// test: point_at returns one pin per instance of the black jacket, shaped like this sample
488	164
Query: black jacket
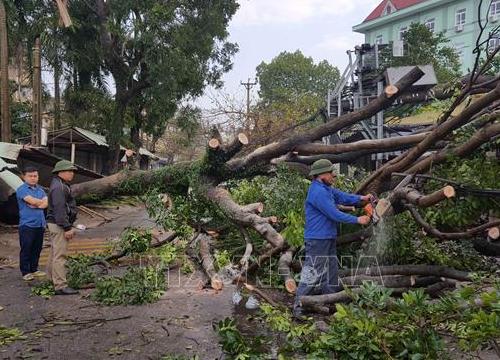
62	205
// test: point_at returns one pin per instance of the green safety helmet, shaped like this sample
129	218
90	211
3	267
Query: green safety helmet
64	165
321	166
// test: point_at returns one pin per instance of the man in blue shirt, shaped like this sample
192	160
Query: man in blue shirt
320	269
31	200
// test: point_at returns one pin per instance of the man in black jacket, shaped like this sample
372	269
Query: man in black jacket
60	218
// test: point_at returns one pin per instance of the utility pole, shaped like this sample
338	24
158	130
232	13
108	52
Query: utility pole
36	125
248	85
6	127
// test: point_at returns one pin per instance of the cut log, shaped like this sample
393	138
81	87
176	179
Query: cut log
414	197
255	208
380	145
213	143
284	271
494	233
391	90
236	145
346	296
421	270
207	262
391	281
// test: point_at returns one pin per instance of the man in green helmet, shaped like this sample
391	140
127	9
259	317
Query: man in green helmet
320	267
60	218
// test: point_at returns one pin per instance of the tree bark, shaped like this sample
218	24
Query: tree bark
416	198
391	281
421	270
430	230
346	297
379	145
479	138
284	265
276	149
237	213
407	159
6	127
207	262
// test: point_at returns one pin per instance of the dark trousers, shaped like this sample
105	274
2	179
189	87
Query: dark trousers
31	241
319	270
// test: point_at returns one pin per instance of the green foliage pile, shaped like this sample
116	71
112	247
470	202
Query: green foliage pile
139	285
376	326
134	241
9	335
44	289
476	172
284	196
409	245
79	272
234	344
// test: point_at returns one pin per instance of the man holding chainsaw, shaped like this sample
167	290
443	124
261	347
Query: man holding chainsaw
320	268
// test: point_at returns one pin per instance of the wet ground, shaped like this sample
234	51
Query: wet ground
74	327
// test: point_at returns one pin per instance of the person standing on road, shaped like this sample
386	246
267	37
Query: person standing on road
32	201
320	268
60	217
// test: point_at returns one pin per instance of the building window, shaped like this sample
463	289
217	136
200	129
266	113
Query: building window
460	19
379	39
431	25
493	44
402	32
495	9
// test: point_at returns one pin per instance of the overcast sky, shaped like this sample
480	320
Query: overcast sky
321	29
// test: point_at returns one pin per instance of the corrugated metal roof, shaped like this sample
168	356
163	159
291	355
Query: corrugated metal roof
97	138
9	182
146	152
10	151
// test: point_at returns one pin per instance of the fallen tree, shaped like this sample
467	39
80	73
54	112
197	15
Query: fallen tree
206	179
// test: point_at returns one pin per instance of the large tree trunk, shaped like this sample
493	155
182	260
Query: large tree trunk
6	130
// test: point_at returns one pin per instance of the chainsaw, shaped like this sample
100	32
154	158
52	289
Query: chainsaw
370	210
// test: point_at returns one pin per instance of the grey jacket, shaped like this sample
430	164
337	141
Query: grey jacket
62	205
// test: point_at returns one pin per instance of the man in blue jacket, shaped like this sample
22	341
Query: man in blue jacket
320	268
32	201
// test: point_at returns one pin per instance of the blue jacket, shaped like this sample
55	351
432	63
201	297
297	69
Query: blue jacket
322	214
29	216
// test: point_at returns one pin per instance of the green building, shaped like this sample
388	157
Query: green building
457	19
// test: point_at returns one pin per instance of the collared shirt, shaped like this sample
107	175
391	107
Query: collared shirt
28	216
322	214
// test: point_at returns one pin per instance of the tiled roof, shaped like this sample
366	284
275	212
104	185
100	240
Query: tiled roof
398	4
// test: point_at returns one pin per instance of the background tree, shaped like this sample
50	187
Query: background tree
292	86
424	47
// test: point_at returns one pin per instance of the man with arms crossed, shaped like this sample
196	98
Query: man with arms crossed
31	200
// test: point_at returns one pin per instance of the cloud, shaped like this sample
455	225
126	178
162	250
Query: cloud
264	12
